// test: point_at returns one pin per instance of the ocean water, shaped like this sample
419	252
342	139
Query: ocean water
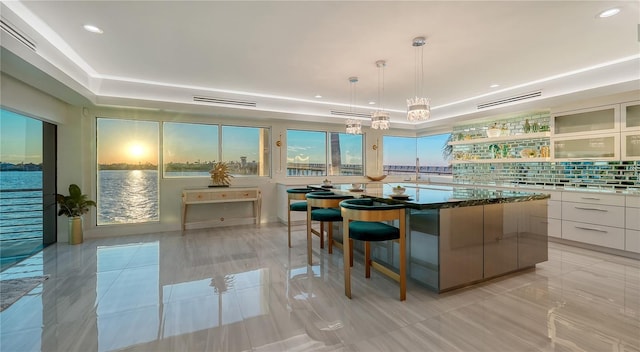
127	196
20	205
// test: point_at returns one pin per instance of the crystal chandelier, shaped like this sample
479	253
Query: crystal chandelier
354	126
380	118
418	108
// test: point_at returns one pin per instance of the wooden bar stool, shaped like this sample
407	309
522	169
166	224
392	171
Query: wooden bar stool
325	208
297	195
362	222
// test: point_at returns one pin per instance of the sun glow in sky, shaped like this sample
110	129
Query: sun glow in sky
126	141
136	150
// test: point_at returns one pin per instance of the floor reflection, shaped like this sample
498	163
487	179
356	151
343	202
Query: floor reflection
243	289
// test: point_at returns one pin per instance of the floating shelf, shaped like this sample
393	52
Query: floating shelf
503	138
505	160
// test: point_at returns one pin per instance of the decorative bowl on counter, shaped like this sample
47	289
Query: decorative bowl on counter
376	178
398	190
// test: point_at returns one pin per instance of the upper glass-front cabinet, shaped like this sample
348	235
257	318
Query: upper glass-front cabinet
591	147
602	119
630	145
630	116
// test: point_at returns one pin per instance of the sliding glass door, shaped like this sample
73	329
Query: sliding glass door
27	186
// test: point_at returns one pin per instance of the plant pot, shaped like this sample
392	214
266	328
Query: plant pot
75	230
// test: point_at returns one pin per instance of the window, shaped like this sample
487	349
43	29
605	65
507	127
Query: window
399	155
306	153
246	150
346	154
433	154
189	149
127	171
316	153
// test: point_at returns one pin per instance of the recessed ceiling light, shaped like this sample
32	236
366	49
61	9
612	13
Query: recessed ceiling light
318	96
494	86
92	28
608	13
372	103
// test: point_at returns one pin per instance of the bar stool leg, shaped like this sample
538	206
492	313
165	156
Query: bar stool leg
309	235
346	254
403	259
351	244
367	259
322	234
330	237
289	222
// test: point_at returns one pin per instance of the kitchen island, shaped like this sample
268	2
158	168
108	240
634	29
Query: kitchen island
458	236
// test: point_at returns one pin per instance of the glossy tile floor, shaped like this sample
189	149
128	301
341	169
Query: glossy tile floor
242	289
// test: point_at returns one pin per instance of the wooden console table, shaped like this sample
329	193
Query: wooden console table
191	196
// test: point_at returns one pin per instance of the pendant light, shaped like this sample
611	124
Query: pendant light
354	126
380	118
418	108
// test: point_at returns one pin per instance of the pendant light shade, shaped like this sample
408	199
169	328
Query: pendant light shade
354	126
418	107
380	118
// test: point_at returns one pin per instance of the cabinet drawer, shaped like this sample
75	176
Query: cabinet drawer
234	195
632	218
593	198
633	202
632	241
554	209
593	214
197	196
605	236
554	228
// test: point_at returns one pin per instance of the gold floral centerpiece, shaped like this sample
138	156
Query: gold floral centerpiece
220	175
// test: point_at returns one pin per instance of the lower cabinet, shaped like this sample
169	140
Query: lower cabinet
593	218
460	246
632	224
533	234
605	236
632	241
500	238
481	242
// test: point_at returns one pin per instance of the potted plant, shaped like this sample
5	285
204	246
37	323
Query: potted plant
220	175
74	206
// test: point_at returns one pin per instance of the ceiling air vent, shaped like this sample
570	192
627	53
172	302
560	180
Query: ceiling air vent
223	101
14	32
350	114
510	99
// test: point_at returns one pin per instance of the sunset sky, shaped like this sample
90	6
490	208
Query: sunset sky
125	141
20	138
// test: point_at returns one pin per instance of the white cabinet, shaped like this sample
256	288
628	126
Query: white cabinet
630	116
630	145
632	224
604	236
586	147
554	215
594	218
602	119
594	198
587	134
606	215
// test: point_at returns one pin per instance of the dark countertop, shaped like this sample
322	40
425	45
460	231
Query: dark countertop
423	196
